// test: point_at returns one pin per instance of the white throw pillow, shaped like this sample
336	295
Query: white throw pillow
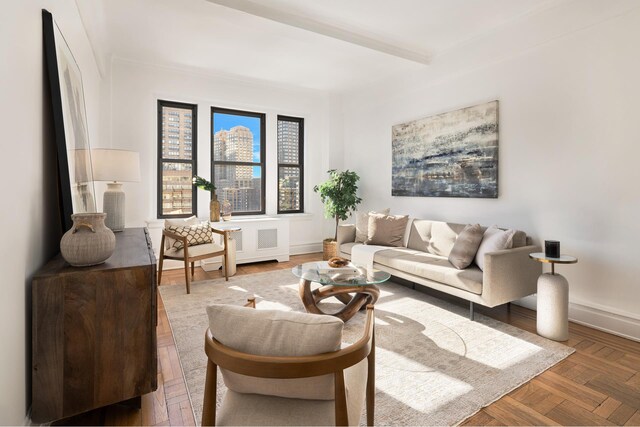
493	240
362	223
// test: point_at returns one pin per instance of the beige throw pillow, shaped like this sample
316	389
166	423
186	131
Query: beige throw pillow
195	234
178	222
387	230
276	333
362	224
494	240
466	246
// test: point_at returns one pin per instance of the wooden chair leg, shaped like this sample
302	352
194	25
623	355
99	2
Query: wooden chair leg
193	268
371	380
210	390
186	275
342	415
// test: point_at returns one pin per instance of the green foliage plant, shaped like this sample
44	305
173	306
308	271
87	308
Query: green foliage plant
338	194
203	184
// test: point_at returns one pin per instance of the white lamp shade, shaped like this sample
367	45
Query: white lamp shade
115	165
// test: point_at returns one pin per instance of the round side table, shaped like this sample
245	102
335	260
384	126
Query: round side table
552	318
231	249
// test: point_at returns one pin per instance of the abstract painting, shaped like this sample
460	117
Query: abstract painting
453	154
77	193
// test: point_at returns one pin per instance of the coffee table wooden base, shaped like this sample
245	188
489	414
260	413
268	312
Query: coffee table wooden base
363	295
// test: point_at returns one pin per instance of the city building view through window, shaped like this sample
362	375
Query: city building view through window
290	174
177	160
238	159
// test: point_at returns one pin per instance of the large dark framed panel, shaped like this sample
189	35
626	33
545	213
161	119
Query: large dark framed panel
75	176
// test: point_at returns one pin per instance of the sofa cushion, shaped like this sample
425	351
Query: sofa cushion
276	333
494	239
362	224
387	230
431	267
466	245
346	248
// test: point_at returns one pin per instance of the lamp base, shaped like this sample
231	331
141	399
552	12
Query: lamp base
113	206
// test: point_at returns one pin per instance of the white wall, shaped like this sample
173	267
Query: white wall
569	150
29	204
138	86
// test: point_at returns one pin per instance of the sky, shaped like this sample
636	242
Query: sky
227	121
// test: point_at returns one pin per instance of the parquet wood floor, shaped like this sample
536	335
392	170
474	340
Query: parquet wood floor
597	385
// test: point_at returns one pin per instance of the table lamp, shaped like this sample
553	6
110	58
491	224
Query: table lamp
115	167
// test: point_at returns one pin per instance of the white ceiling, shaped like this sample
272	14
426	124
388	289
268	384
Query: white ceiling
210	37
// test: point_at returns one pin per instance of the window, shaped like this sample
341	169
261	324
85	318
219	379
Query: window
176	163
290	164
238	158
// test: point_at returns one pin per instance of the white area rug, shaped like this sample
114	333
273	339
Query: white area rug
434	366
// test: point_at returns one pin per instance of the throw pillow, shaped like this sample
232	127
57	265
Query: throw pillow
178	222
387	230
195	234
276	333
494	240
362	224
466	246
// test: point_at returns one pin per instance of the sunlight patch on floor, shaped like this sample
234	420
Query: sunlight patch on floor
423	380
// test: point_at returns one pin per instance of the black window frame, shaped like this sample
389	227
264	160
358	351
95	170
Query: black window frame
194	156
299	165
263	153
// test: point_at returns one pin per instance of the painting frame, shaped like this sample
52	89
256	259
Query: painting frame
75	175
451	154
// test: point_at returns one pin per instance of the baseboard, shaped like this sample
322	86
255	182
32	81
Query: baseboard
616	322
305	248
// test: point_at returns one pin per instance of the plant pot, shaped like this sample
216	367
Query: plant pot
89	241
214	209
329	249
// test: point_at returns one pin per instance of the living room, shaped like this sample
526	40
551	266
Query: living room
563	73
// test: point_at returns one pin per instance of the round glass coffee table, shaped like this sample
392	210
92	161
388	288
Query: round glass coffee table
354	289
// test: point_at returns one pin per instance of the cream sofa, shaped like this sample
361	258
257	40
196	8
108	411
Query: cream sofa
508	274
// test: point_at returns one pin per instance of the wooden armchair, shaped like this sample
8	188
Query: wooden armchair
259	409
191	254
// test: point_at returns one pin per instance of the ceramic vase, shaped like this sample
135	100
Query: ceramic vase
89	241
214	208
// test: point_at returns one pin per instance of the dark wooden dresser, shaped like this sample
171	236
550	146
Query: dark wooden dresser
94	330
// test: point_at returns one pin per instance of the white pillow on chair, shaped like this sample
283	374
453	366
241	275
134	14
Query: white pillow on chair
276	333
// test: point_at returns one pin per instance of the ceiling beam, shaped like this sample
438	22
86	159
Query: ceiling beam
327	30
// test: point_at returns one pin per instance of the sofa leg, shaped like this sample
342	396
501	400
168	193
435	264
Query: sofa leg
470	310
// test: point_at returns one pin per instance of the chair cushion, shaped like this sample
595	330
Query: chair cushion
194	251
362	224
466	245
195	234
276	333
494	240
255	409
178	222
387	230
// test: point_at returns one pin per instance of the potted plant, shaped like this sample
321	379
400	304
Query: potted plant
214	204
338	194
